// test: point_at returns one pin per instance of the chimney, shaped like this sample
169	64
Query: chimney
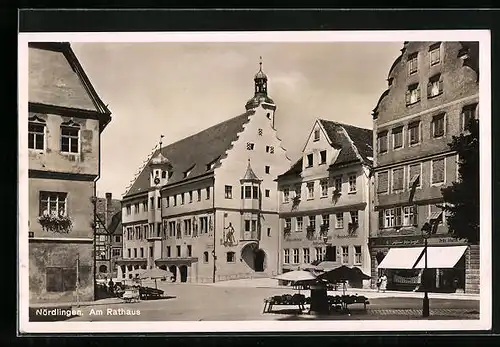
109	207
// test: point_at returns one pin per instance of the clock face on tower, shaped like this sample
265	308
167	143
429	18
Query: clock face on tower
157	180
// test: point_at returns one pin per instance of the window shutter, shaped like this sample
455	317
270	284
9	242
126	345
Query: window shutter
408	97
429	89
418	93
415	215
242	192
380	219
440	86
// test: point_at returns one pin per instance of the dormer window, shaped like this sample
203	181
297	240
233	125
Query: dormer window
70	132
316	135
188	171
210	166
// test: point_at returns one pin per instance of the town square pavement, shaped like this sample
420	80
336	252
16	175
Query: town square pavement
245	301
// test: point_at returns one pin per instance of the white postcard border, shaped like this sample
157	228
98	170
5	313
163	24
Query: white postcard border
484	323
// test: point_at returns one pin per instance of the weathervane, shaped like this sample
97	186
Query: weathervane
260	63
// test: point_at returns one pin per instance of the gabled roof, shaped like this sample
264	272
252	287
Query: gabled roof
114	214
56	78
354	143
294	171
199	154
115	226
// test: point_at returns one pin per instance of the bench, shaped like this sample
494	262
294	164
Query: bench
344	301
286	299
148	293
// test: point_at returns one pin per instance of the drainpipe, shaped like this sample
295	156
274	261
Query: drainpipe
214	231
369	209
280	253
94	227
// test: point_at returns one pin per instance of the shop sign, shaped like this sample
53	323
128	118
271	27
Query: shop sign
412	241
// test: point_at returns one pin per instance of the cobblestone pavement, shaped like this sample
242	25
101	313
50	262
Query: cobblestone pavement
452	312
189	302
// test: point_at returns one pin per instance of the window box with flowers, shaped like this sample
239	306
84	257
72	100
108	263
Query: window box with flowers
352	227
58	223
310	232
323	230
287	231
336	196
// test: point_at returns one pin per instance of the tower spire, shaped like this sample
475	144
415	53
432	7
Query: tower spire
161	141
260	63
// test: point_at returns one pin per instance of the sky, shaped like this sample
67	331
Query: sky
178	89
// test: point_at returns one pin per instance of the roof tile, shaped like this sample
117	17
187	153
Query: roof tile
200	153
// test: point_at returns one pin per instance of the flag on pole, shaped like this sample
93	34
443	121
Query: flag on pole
413	186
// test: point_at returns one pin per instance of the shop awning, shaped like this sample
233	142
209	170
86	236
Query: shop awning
401	258
445	257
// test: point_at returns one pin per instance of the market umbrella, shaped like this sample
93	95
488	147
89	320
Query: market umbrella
297	277
342	274
155	274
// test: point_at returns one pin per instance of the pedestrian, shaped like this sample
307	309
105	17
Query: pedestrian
111	286
379	282
383	283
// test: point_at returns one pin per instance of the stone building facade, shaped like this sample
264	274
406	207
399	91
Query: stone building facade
432	90
205	207
325	199
65	121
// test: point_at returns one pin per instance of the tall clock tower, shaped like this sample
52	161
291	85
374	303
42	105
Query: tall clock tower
160	168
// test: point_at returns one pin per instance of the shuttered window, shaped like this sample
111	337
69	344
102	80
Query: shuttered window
383	182
414	174
438	171
397	179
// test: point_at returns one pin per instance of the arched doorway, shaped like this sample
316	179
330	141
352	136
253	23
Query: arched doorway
184	272
103	269
173	270
259	260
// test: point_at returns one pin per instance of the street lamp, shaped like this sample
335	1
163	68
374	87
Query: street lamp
426	231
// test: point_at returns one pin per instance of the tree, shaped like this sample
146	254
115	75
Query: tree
462	197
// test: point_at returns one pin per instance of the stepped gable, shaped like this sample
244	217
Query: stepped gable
195	153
